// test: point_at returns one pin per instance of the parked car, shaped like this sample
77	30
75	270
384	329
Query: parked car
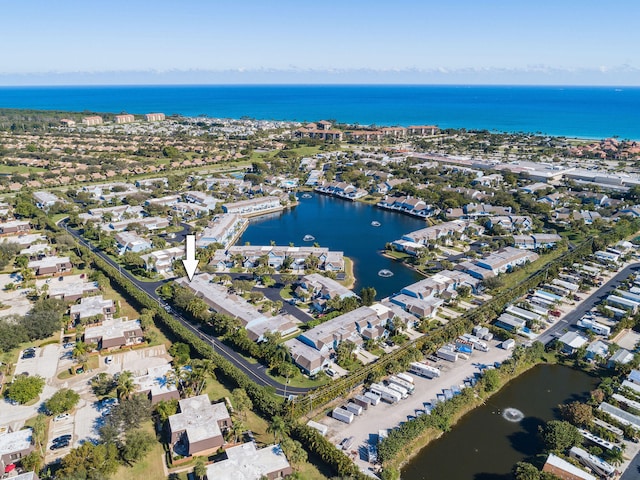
57	446
108	359
29	353
555	313
330	372
61	439
62	416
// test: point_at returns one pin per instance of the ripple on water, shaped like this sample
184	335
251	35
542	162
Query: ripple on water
512	415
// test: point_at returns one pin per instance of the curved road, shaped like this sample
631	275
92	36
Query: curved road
255	371
570	320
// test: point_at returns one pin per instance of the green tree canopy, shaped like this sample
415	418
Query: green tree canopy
62	401
24	389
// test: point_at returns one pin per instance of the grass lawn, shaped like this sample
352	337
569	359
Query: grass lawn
287	292
10	169
349	278
301	380
513	279
149	467
126	310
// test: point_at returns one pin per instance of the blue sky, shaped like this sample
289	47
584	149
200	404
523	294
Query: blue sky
591	42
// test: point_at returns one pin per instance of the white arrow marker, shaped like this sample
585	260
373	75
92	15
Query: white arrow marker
190	262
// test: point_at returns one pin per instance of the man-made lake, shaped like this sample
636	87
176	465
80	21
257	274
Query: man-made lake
486	446
343	226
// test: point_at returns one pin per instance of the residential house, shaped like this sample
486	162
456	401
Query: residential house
501	261
158	384
572	341
536	241
14	446
71	288
254	206
321	130
223	229
161	261
97	307
113	333
51	266
511	223
45	200
248	462
132	242
199	427
309	359
276	256
620	357
14	227
423	130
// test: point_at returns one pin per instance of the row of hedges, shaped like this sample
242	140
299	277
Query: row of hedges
263	398
325	450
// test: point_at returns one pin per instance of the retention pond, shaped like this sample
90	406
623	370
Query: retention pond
490	440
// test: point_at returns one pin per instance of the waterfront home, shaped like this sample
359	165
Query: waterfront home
419	307
201	199
276	257
342	190
572	341
14	446
199	427
131	242
597	349
423	130
93	307
45	200
114	333
51	266
92	120
407	204
314	178
223	229
254	206
14	227
454	228
157	384
248	462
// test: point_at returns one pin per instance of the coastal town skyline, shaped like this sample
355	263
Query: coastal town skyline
249	43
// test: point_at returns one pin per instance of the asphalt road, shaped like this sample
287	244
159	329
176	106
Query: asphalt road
255	371
570	320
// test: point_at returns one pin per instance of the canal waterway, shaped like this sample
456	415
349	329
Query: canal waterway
343	226
485	445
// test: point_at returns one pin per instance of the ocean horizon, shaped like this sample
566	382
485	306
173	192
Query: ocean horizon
571	111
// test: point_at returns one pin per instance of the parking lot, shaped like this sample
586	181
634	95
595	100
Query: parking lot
365	427
136	361
16	300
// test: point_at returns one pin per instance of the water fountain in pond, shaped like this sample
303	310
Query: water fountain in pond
375	224
512	415
384	273
308	238
307	195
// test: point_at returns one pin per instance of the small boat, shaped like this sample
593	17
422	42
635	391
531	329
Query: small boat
375	224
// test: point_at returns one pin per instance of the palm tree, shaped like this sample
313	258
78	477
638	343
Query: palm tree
237	429
125	387
278	427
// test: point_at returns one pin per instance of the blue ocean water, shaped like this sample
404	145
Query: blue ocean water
591	112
